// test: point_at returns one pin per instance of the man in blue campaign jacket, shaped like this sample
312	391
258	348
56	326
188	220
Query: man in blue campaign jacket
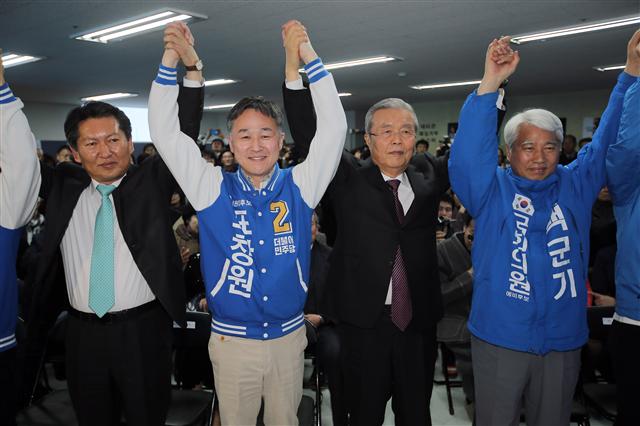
528	317
19	185
255	231
623	179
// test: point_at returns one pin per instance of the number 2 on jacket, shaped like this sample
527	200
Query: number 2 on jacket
280	224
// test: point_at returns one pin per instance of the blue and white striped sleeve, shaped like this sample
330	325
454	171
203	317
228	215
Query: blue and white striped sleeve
315	70
314	174
199	180
167	76
6	95
20	177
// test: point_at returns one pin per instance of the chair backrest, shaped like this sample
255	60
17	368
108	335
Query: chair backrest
196	333
599	319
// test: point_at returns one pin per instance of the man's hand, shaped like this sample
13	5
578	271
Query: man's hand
500	62
178	45
314	319
297	47
603	299
185	254
1	69
632	66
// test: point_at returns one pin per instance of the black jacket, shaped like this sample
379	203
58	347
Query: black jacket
142	205
367	231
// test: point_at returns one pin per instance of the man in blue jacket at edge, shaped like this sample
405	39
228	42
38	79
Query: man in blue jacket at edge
528	317
623	179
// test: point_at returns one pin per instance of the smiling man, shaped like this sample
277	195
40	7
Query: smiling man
255	231
117	273
383	283
530	258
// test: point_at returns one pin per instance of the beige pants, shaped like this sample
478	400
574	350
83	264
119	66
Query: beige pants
248	370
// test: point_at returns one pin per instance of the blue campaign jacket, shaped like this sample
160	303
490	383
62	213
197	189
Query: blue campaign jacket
256	247
531	246
9	240
623	179
254	242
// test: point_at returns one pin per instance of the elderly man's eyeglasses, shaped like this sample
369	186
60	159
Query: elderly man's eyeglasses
387	134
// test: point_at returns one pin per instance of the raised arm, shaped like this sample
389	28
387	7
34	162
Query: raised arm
473	159
590	166
19	167
623	157
298	105
314	174
199	180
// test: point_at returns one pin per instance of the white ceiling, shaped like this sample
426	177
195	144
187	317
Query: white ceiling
439	41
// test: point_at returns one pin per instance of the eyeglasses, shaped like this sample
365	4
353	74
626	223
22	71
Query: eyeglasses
403	134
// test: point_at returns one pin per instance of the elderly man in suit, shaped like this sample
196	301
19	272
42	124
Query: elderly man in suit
383	280
122	271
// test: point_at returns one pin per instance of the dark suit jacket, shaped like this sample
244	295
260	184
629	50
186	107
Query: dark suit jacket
141	203
317	278
368	232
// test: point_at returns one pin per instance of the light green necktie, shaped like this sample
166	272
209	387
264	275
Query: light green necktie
101	282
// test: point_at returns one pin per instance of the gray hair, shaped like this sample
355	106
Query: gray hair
540	118
386	104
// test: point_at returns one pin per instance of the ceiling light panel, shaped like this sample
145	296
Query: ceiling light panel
14	59
137	25
609	68
443	85
359	62
579	29
109	96
225	106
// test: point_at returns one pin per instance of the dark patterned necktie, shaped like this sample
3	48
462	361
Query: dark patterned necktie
401	310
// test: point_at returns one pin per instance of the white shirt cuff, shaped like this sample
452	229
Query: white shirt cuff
295	84
192	83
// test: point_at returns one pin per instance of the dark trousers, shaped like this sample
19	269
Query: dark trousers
384	362
8	386
120	366
328	351
625	339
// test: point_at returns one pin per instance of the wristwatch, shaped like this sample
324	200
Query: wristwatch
196	67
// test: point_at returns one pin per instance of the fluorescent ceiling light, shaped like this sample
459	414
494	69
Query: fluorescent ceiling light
219	106
441	85
614	23
609	68
135	26
358	62
109	96
13	59
344	94
219	82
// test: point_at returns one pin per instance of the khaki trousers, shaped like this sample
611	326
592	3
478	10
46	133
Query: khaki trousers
249	370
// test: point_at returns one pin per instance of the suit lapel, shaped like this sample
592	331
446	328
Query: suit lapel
419	187
374	177
74	182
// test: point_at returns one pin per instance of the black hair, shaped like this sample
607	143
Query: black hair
447	199
59	150
423	142
93	110
256	103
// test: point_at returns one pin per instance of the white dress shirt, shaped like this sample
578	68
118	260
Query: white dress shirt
131	289
406	196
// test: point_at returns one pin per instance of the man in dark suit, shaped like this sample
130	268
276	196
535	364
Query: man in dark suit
384	285
122	270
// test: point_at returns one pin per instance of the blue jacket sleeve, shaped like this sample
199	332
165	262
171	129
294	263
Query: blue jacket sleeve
623	157
589	171
474	153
